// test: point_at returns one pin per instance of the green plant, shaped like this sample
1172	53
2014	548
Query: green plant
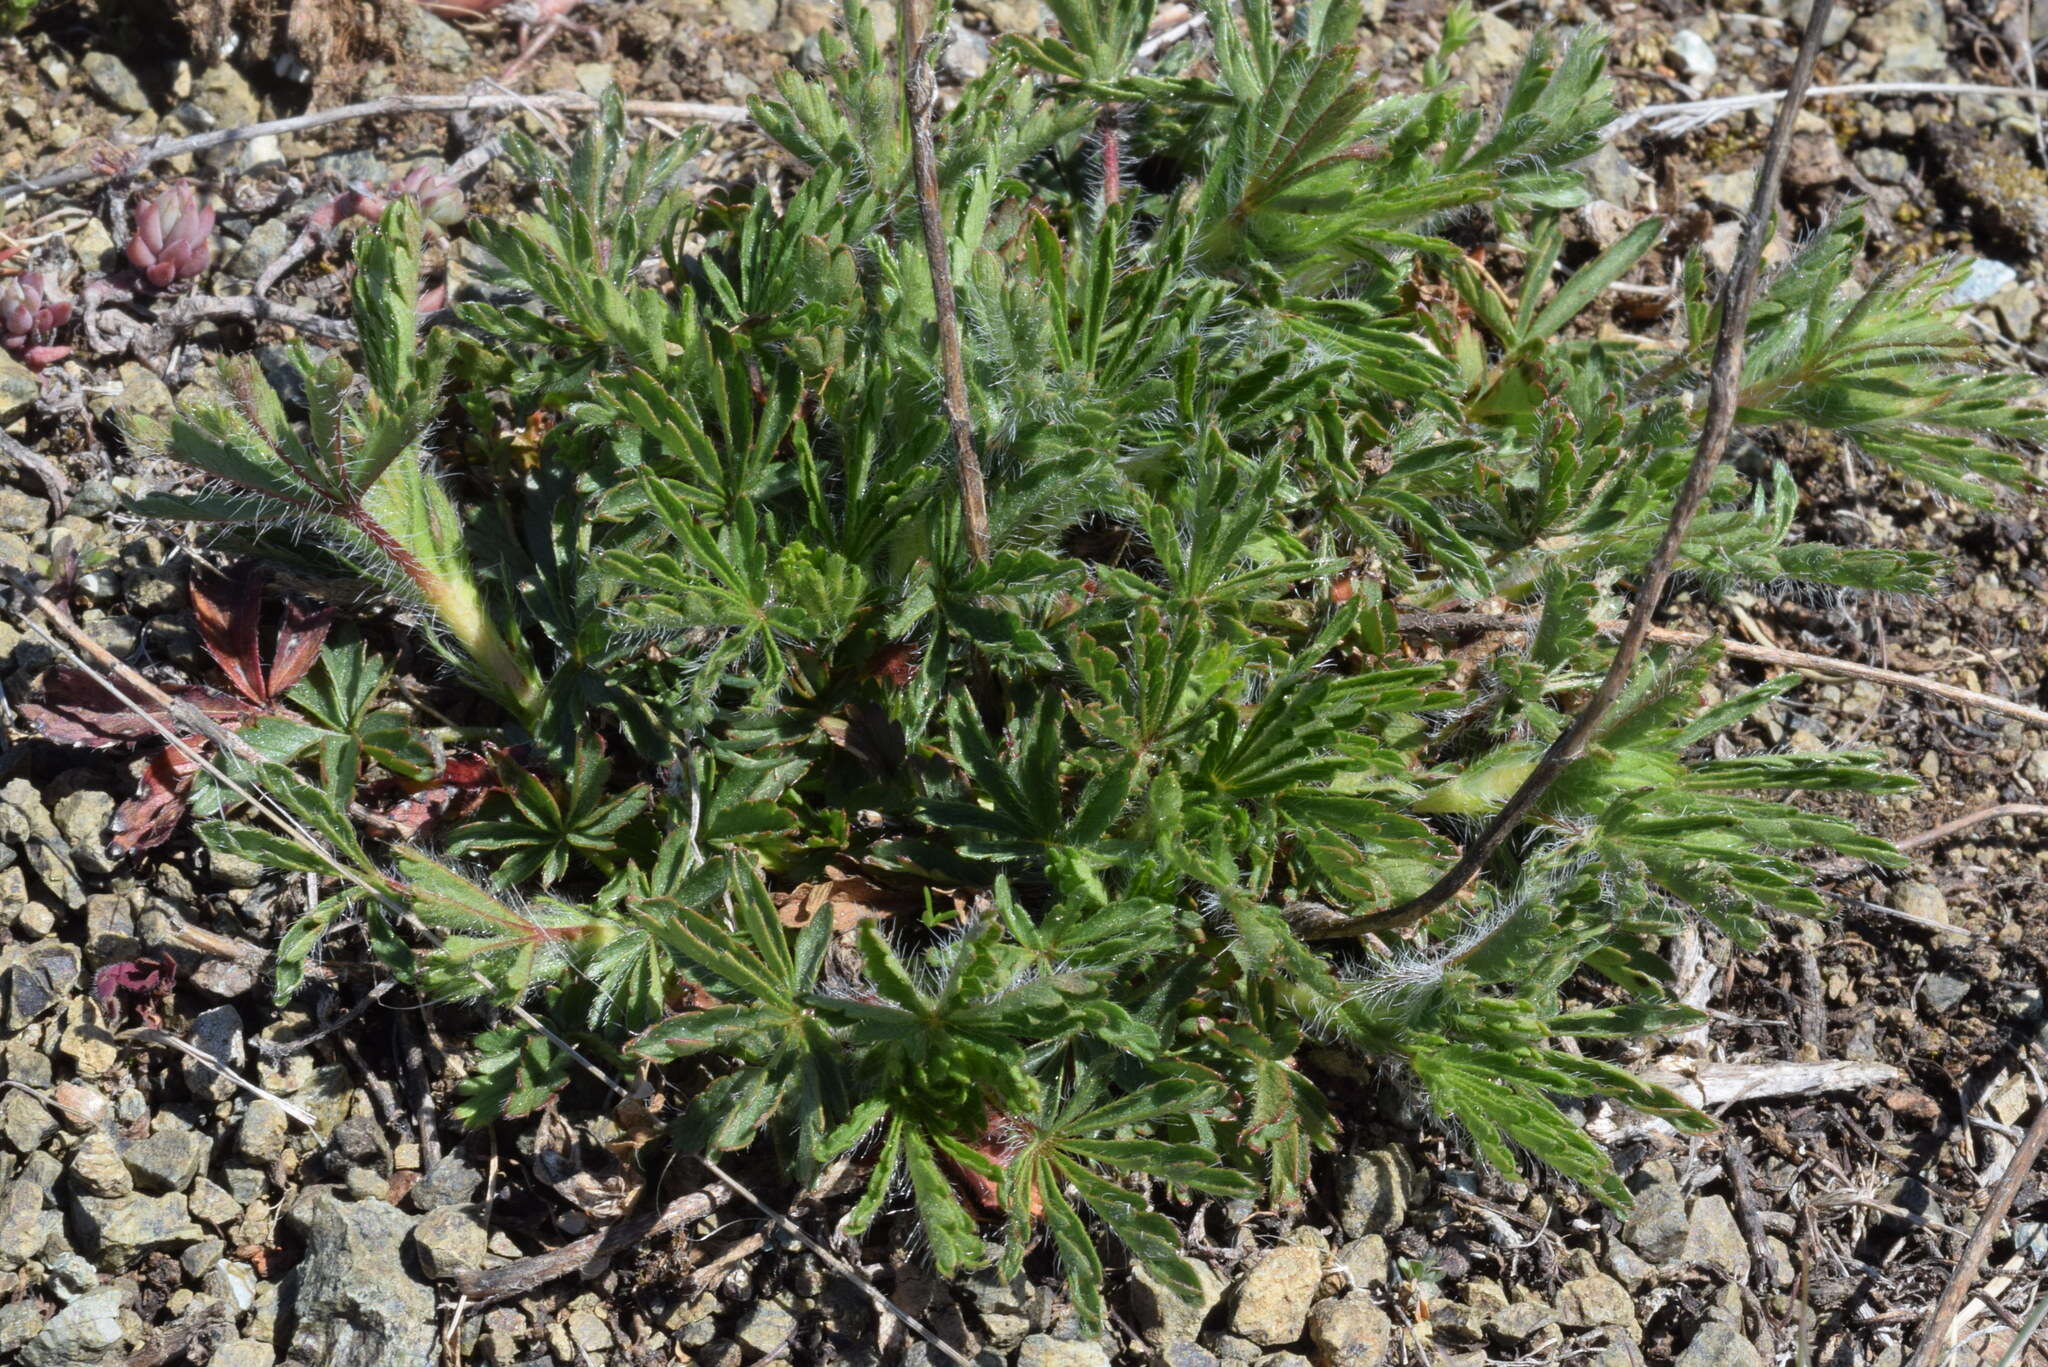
1137	781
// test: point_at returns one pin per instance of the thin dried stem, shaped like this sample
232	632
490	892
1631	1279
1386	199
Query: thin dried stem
1466	622
494	1284
1933	1345
129	161
150	1035
1722	393
1683	116
921	95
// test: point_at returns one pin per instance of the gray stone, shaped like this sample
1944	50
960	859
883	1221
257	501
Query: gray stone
1655	1227
198	1260
84	1333
109	929
1457	1320
765	1327
450	1241
217	1031
1350	1331
1366	1261
365	1184
97	1168
115	1232
141	391
226	97
1712	1236
25	1059
25	1123
1692	55
1924	900
264	1130
213	1203
20	1321
168	1159
27	1236
263	245
1186	1355
965	55
23	513
1273	1298
1943	992
245	1184
1612	177
749	16
1161	1315
351	1302
113	82
1984	279
1520	1320
1232	1349
1005	1308
118	636
82	819
2018	307
70	1276
1372	1191
1718	1344
1043	1350
327	1094
261	1324
450	1182
1498	49
25	824
35	979
1910	38
1882	164
19	387
243	1353
1587	1302
234	1283
432	40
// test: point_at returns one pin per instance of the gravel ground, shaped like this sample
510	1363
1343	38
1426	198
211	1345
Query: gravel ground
154	1211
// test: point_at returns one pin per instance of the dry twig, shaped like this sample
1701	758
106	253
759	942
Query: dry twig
494	1284
1683	116
148	1035
1933	1344
1428	622
1963	823
131	161
1718	421
921	95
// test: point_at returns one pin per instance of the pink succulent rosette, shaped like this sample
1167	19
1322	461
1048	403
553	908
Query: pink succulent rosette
173	238
32	308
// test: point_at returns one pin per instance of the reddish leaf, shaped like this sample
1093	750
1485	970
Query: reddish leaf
461	787
139	983
894	664
147	820
77	709
230	610
299	638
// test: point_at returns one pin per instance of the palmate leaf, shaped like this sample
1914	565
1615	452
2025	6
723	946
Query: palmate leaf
516	1072
1087	1147
489	946
542	827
